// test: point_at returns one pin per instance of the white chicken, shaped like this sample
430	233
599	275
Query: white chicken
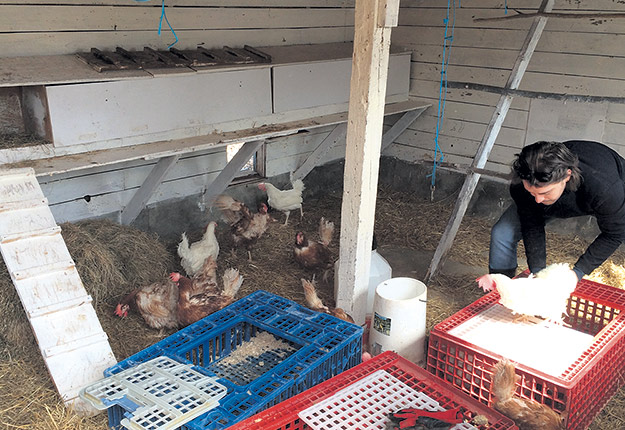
192	257
284	200
544	294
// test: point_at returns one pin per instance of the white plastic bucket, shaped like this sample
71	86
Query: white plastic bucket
379	271
399	318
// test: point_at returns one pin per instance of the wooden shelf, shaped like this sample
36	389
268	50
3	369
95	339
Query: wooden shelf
157	150
65	69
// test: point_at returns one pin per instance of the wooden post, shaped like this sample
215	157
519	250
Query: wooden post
372	39
481	156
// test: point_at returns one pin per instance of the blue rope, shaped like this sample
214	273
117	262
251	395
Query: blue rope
442	93
160	22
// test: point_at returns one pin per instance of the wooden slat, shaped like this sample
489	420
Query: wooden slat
35	44
313	159
400	126
50	19
205	3
151	183
488	141
231	170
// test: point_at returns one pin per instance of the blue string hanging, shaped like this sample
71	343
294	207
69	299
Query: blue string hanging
450	24
160	22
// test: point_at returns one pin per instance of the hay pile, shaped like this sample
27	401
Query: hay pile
113	259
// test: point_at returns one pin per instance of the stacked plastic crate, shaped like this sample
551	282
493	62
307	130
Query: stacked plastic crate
361	397
579	390
263	348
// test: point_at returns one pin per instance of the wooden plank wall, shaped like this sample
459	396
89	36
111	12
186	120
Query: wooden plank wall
43	27
581	56
574	56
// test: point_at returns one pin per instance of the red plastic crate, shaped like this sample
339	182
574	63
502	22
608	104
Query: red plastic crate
580	391
284	416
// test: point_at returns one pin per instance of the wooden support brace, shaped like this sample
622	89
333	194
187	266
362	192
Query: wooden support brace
338	133
400	126
151	183
231	170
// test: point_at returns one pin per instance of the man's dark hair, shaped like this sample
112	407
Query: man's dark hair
544	163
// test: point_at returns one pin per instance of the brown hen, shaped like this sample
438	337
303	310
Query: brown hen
156	303
314	255
526	413
246	227
314	302
193	307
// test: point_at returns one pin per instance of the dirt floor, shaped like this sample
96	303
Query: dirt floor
403	222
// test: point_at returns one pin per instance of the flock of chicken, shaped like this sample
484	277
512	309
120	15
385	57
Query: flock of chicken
177	300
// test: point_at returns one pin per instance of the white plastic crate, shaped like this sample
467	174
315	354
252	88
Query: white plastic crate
162	393
365	405
544	346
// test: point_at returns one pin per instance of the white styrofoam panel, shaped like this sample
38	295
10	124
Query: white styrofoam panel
56	288
102	111
301	86
26	219
21	255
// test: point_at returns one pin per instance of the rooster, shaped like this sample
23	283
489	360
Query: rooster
544	294
192	257
527	414
284	200
193	307
246	228
314	255
314	302
156	303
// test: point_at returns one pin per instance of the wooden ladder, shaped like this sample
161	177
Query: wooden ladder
71	340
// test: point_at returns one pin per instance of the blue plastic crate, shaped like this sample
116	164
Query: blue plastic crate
310	348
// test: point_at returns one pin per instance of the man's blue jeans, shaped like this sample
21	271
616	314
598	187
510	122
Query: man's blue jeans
504	241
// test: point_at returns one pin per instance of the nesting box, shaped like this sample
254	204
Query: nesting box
580	388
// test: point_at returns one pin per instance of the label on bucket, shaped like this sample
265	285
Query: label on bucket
381	324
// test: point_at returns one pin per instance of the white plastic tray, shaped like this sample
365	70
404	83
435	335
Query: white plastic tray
544	346
364	405
162	393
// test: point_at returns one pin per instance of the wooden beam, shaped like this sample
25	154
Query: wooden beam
151	183
581	98
322	149
231	170
488	140
339	133
400	126
372	40
521	15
